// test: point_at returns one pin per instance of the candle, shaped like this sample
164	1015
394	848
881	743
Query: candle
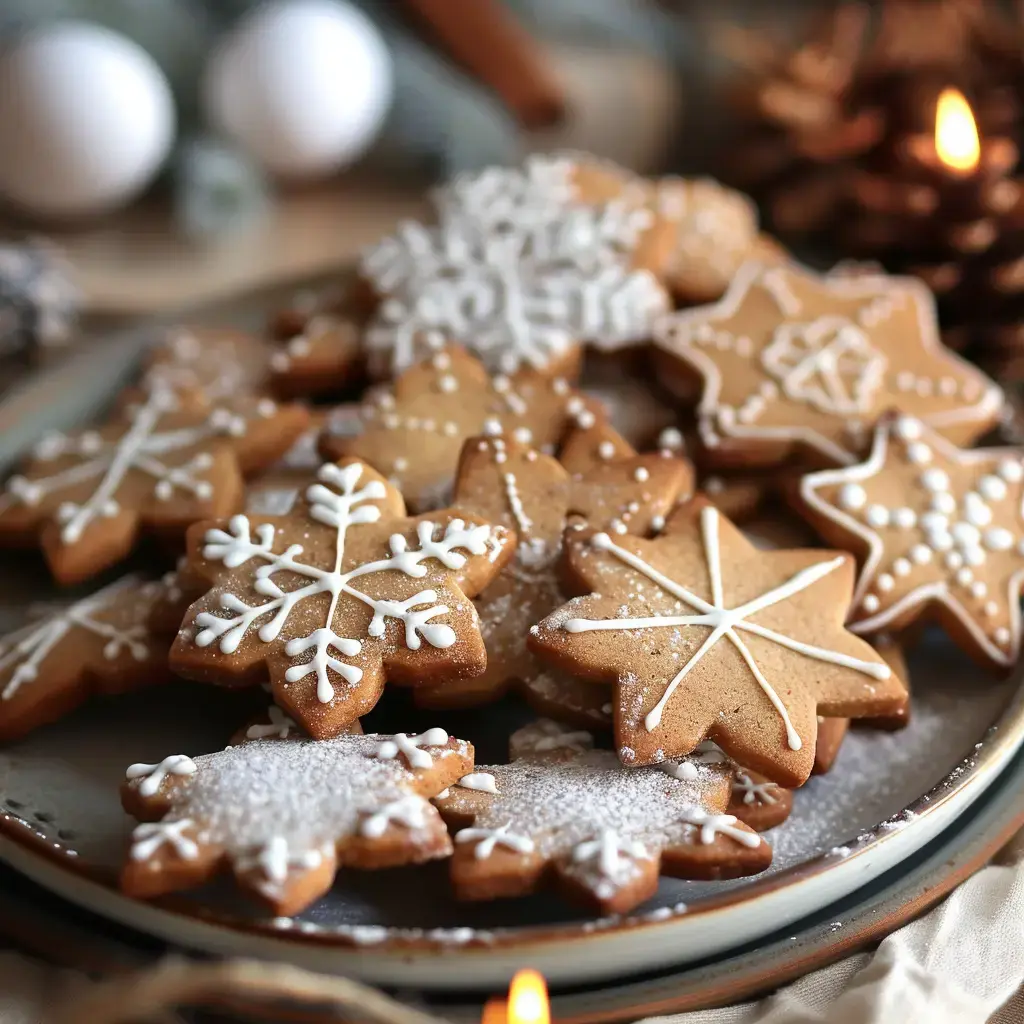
527	1002
956	133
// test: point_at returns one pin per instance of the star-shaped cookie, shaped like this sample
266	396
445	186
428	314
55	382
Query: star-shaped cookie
159	464
510	483
940	531
705	637
413	431
600	832
338	595
284	813
793	362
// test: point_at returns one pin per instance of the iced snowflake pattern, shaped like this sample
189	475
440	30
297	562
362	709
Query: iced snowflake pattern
349	505
517	270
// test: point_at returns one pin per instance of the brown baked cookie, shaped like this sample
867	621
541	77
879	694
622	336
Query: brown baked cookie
155	468
564	698
275	491
600	832
705	637
716	232
413	432
892	650
284	603
274	724
101	644
939	532
323	357
831	733
510	483
796	363
292	316
285	814
523	267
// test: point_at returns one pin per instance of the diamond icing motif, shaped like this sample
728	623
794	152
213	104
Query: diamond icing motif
516	270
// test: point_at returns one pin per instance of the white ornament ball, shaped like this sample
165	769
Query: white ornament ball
302	85
86	119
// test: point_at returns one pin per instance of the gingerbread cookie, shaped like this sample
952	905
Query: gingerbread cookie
101	644
793	362
600	832
715	232
831	733
706	637
939	530
413	432
291	318
155	468
510	483
285	603
323	357
521	269
265	811
274	724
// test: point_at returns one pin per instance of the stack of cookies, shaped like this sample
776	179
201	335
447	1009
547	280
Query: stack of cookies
508	504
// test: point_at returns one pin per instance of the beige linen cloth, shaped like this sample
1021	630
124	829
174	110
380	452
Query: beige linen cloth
962	963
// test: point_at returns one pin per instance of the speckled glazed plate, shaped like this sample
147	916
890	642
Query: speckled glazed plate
888	795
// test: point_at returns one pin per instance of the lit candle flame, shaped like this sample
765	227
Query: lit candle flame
528	999
956	133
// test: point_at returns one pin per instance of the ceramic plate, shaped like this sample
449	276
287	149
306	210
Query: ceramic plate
888	795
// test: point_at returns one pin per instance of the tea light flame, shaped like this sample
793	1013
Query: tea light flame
956	132
528	999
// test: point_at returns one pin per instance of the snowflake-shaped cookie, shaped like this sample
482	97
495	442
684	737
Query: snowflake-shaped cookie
285	813
523	266
156	467
601	832
793	360
706	637
940	529
339	595
414	430
511	483
105	643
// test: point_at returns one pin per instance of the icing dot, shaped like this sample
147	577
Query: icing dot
954	560
978	589
606	450
877	516
974	555
852	497
998	539
921	554
992	488
640	474
1002	636
991	608
944	503
902	567
1011	470
935	479
908	429
976	510
965	533
871	603
919	453
885	583
964	577
905	518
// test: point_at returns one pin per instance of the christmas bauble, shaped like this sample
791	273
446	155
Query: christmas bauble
302	85
86	119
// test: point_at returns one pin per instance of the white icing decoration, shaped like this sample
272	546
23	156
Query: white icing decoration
489	838
153	836
481	782
411	747
153	775
409	811
724	622
755	792
828	363
27	648
350	507
274	859
713	825
852	497
517	289
141	449
279	727
611	854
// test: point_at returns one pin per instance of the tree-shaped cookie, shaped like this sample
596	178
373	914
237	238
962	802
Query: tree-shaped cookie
339	595
414	430
106	643
508	482
159	465
940	530
705	637
522	267
600	832
792	361
284	814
